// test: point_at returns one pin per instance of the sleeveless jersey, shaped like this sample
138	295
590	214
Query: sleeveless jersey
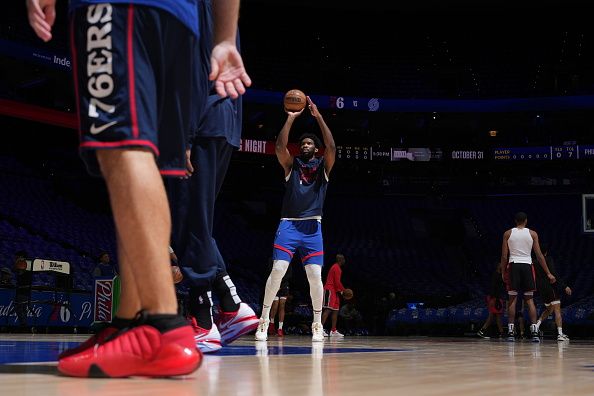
520	246
305	189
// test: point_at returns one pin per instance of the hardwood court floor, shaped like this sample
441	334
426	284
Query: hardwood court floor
353	366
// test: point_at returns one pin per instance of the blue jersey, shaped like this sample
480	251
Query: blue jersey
305	189
222	118
184	10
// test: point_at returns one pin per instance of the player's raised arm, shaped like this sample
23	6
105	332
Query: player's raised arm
282	152
329	145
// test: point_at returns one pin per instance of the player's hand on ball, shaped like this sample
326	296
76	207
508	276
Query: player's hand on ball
312	108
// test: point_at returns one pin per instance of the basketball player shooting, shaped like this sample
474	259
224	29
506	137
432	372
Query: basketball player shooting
300	227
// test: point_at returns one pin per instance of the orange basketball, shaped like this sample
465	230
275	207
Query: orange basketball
177	274
295	100
347	294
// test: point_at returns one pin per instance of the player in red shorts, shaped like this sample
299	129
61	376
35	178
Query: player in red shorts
332	288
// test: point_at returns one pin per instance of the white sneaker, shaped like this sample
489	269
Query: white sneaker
233	325
262	331
326	334
317	331
335	333
562	337
208	341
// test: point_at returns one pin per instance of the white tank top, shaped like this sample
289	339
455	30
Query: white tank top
520	246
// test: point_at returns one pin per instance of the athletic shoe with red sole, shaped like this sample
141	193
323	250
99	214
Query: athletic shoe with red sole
208	341
139	351
233	325
98	338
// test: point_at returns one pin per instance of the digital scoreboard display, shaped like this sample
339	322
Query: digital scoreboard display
355	153
380	153
522	153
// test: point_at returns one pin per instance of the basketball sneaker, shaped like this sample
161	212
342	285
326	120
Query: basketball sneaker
511	336
482	334
535	336
139	351
326	334
262	331
562	337
534	333
280	333
271	329
317	332
208	341
233	325
335	333
98	338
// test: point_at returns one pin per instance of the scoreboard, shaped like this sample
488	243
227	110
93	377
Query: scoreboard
356	153
377	153
551	153
522	153
534	153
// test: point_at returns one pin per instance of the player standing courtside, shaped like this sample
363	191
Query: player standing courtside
550	294
132	61
332	288
516	252
215	134
300	228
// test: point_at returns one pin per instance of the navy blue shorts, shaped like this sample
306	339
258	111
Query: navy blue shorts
133	69
304	236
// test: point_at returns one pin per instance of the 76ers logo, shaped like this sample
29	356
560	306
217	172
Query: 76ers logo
307	175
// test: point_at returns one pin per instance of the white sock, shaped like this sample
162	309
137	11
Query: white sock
280	325
232	290
209	294
538	324
510	327
279	267
316	289
560	330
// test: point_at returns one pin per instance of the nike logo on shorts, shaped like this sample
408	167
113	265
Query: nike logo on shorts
95	130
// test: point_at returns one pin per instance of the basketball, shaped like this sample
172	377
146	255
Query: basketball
177	274
347	294
295	100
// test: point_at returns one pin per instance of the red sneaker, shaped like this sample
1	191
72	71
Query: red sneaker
98	338
271	329
280	333
141	351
